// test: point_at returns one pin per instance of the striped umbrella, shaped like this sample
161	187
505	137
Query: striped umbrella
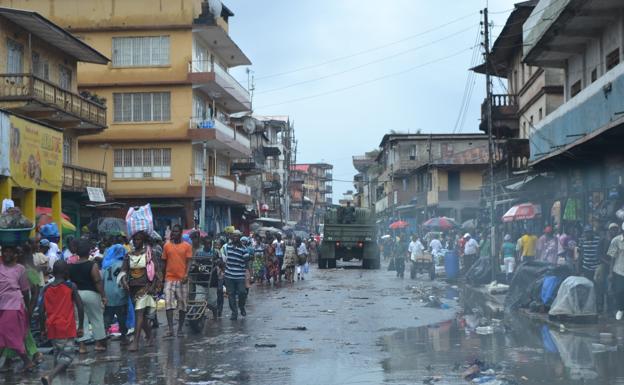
440	224
522	212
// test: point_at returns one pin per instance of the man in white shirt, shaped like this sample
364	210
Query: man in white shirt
435	245
471	251
416	251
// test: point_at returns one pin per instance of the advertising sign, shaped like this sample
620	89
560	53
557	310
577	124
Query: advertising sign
36	155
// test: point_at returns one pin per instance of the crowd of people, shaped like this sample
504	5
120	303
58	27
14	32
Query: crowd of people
94	289
595	255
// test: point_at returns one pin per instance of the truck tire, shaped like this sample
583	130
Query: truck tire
328	254
370	257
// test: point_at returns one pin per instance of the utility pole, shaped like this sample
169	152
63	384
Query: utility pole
202	210
428	180
486	43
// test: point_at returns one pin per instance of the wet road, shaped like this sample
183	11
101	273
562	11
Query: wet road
362	327
346	313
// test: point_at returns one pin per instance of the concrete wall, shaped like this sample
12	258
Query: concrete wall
103	13
93	156
175	129
181	49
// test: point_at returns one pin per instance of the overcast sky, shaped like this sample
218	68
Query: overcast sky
378	66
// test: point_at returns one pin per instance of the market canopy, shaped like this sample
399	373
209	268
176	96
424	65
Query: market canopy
522	212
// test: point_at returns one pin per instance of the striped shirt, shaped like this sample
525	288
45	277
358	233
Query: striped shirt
591	259
236	262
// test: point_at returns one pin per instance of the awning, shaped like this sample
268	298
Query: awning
518	185
406	207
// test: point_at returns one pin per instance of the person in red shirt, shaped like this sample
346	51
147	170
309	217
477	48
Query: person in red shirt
58	320
177	256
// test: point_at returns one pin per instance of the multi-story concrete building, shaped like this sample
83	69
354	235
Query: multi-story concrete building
38	82
580	142
266	171
530	94
400	184
310	193
169	90
363	181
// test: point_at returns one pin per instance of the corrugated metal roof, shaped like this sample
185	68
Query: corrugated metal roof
54	35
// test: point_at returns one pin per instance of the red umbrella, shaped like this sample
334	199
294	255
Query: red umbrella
398	225
48	211
522	212
440	224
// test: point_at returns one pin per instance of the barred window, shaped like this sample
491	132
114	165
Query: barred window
143	51
142	107
142	163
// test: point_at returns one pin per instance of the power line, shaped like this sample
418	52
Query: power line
401	53
340	58
368	81
470	80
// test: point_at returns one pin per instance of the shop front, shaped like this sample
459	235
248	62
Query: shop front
31	165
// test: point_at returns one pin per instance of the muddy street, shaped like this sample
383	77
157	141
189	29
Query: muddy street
329	329
353	326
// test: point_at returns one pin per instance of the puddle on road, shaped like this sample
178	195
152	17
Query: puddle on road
526	354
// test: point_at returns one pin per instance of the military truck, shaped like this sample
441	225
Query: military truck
349	233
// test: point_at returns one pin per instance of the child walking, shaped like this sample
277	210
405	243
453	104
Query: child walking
58	320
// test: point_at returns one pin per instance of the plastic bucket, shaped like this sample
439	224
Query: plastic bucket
451	264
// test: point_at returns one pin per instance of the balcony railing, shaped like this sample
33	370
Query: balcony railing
199	66
221	182
504	115
27	86
223	128
78	178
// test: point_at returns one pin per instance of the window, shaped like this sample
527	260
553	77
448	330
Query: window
65	77
138	163
68	147
524	130
41	68
15	57
412	153
404	184
594	75
540	114
576	88
144	51
613	59
142	107
453	185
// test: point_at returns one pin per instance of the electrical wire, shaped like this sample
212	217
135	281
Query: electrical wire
377	48
401	53
470	81
368	81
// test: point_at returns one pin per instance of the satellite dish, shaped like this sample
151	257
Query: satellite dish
215	7
249	124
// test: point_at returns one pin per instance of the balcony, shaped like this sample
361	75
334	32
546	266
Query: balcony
246	166
505	122
39	99
219	85
271	150
220	189
327	176
328	190
77	179
219	136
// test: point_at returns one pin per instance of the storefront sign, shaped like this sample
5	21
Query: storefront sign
36	155
96	194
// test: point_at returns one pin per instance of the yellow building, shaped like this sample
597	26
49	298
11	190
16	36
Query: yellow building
169	90
42	112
